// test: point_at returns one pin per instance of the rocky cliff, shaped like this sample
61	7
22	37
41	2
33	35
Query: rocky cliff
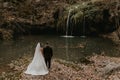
90	17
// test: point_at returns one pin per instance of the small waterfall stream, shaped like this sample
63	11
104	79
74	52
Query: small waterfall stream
83	29
68	26
68	20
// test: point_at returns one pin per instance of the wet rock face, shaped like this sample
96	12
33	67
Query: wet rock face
86	17
39	15
92	18
103	22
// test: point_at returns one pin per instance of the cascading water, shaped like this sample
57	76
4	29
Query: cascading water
83	29
67	26
68	20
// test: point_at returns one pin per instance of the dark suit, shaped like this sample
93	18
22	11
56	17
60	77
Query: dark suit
48	53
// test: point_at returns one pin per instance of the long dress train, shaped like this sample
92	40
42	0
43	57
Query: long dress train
37	66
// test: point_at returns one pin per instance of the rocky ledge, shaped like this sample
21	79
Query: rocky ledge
89	17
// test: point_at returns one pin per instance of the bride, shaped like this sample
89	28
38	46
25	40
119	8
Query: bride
37	66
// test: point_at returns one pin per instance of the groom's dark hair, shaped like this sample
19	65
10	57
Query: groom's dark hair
41	44
47	43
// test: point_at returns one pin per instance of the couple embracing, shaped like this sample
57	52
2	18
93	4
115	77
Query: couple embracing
41	61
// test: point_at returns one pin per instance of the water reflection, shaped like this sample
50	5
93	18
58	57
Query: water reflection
67	55
71	49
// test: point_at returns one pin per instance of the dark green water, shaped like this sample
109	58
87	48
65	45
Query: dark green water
71	49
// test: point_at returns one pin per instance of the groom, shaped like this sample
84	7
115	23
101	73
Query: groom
48	53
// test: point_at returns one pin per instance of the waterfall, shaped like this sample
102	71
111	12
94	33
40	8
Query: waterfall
68	20
67	25
83	29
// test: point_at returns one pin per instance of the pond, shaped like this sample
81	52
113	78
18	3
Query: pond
71	49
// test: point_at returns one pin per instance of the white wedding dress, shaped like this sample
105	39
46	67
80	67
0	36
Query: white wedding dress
37	66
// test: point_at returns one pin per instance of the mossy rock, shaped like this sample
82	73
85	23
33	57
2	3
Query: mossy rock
78	17
96	17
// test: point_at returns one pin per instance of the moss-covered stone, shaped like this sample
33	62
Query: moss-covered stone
95	17
92	16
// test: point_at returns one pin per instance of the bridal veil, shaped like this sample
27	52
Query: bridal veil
37	66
